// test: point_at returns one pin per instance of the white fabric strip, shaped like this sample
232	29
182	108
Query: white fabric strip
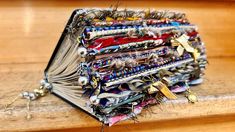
149	71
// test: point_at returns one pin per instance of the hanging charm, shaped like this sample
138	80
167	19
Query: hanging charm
30	96
192	97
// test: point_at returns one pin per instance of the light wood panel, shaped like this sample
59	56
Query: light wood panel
216	103
31	29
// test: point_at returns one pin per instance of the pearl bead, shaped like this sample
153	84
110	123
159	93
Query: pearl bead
48	86
42	82
83	80
82	52
94	100
32	96
25	94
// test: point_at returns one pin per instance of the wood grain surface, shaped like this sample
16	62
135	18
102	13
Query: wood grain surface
216	100
31	29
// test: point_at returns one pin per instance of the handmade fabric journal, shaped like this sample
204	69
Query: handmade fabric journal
112	63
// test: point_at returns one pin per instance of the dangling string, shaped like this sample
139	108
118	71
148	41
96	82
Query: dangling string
29	116
30	96
6	108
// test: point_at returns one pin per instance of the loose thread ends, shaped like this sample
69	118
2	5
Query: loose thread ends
29	115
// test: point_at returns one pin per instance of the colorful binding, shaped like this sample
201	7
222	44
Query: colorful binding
126	60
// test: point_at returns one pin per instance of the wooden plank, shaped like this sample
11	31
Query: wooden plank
208	124
216	104
31	29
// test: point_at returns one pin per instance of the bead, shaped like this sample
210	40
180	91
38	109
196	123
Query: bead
36	91
39	92
94	100
48	86
82	52
32	96
27	97
24	94
192	98
42	82
42	92
83	80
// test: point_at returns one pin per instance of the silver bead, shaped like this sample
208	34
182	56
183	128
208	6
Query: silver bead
24	94
27	97
48	86
32	96
42	82
94	100
83	80
82	52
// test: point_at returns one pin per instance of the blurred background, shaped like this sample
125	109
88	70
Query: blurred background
30	29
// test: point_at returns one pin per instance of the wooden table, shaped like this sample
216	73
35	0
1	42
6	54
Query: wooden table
31	29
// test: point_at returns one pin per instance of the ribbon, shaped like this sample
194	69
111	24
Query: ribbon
163	89
183	44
